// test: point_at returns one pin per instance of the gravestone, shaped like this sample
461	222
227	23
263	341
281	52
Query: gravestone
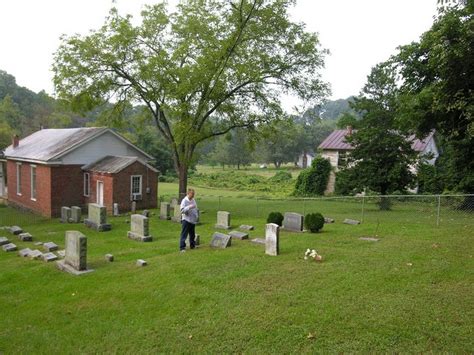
35	254
24	252
328	220
220	240
146	213
97	218
134	207
76	213
141	262
16	230
50	246
109	257
116	209
351	221
176	214
246	227
239	235
258	241
165	210
223	220
9	247
139	226
47	257
25	237
75	260
4	240
174	202
293	222
272	239
65	214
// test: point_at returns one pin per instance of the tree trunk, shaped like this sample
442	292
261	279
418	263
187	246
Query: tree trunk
183	180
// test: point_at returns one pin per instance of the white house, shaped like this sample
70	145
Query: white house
305	160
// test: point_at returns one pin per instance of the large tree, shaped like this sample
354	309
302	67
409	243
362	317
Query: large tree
203	70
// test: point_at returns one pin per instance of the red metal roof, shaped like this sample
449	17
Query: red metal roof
336	141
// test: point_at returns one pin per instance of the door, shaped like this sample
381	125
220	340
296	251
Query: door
100	193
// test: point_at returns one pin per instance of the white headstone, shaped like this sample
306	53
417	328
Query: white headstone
272	239
223	220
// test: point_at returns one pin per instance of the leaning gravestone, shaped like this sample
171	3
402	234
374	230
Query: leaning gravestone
272	239
165	210
176	214
25	237
97	218
239	235
293	222
4	240
9	247
65	214
75	260
76	214
223	220
16	230
220	240
139	226
351	221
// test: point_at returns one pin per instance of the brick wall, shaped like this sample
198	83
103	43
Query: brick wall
67	187
108	181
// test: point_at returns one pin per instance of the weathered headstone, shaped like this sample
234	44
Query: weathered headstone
4	240
15	230
9	247
328	220
239	235
134	207
35	254
223	220
165	210
140	230
351	221
76	214
24	252
220	240
25	237
176	214
97	218
116	209
65	214
258	241
50	246
246	227
109	257
272	239
47	257
141	262
146	213
293	222
75	261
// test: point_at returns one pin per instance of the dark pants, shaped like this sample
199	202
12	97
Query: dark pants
187	228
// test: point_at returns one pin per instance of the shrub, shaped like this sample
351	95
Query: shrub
275	217
313	181
281	176
314	222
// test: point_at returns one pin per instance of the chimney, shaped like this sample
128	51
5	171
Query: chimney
15	141
349	130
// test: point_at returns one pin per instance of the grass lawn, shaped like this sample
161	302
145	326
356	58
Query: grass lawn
412	291
251	169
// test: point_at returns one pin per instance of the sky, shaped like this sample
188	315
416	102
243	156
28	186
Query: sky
358	33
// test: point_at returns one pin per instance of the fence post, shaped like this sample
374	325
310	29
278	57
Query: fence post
363	209
219	204
438	211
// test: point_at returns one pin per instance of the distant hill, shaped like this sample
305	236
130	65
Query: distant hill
331	109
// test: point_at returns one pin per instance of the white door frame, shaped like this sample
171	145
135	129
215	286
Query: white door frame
100	192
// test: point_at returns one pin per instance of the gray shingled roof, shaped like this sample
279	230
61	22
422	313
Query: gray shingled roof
113	164
47	144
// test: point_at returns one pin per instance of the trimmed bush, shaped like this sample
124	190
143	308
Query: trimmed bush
275	217
314	222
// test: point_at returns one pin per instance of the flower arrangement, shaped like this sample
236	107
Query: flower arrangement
312	254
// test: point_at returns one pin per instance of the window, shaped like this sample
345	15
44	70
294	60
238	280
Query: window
136	184
342	160
33	182
18	179
87	184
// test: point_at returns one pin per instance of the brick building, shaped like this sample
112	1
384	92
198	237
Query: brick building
72	167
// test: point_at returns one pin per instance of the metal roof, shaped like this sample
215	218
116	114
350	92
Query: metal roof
50	144
336	141
113	164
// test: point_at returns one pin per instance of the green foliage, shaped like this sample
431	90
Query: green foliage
314	222
233	149
275	217
429	180
347	119
313	180
281	176
345	185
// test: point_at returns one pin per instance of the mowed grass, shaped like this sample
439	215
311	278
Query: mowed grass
411	291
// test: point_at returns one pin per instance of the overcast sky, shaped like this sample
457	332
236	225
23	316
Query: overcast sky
358	33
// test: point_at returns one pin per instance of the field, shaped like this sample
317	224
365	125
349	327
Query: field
412	291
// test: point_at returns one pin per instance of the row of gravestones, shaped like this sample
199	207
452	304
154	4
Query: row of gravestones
172	211
71	214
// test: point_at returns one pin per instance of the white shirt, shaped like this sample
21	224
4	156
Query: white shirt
189	211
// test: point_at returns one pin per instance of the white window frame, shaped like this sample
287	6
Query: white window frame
33	182
18	179
131	185
87	186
